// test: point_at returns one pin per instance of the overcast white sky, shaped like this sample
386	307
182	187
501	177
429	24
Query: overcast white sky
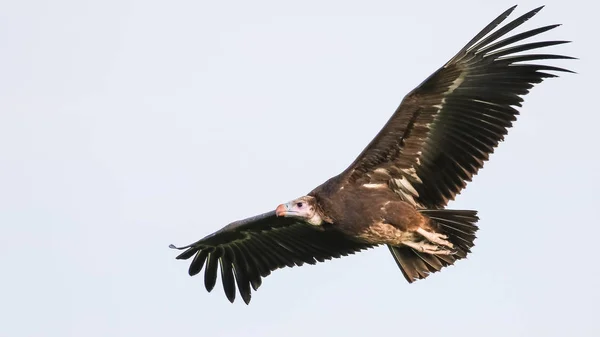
129	125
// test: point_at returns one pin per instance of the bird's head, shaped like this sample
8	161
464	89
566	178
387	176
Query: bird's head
304	208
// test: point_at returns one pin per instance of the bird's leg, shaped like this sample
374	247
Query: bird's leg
436	238
423	246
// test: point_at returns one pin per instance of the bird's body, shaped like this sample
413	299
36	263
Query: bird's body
394	192
372	214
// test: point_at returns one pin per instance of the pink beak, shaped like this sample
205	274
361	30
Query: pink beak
281	210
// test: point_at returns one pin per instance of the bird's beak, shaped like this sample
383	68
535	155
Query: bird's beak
281	210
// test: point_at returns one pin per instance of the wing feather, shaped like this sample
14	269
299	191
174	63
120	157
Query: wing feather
197	263
445	129
227	274
248	250
210	273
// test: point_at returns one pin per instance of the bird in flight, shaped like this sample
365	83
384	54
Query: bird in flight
395	191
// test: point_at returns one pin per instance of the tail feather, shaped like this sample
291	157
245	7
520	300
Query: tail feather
458	225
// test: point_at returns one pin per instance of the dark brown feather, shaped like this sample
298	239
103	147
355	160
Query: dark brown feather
250	249
446	128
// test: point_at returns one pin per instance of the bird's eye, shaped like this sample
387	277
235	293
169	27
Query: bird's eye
299	205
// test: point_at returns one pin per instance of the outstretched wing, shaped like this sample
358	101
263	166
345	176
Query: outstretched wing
250	249
446	128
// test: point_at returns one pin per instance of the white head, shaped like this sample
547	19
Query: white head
304	208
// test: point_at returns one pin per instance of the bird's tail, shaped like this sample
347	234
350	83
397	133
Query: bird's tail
458	225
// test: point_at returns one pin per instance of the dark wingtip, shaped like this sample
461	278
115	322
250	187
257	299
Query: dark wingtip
506	13
509	11
209	286
536	10
532	13
172	246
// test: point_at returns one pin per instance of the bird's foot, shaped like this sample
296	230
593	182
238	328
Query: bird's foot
426	247
436	238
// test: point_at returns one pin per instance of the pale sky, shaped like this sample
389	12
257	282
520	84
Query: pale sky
129	125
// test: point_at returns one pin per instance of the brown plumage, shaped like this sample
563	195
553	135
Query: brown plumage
394	192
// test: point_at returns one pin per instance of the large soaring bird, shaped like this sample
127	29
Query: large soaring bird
395	191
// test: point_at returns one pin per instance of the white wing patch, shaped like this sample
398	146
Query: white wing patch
404	183
407	197
381	170
411	172
456	83
375	185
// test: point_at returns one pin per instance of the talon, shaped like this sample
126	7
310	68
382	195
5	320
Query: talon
436	238
426	247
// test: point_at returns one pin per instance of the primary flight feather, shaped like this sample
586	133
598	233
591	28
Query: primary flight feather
394	192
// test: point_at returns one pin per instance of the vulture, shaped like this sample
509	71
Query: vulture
395	191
